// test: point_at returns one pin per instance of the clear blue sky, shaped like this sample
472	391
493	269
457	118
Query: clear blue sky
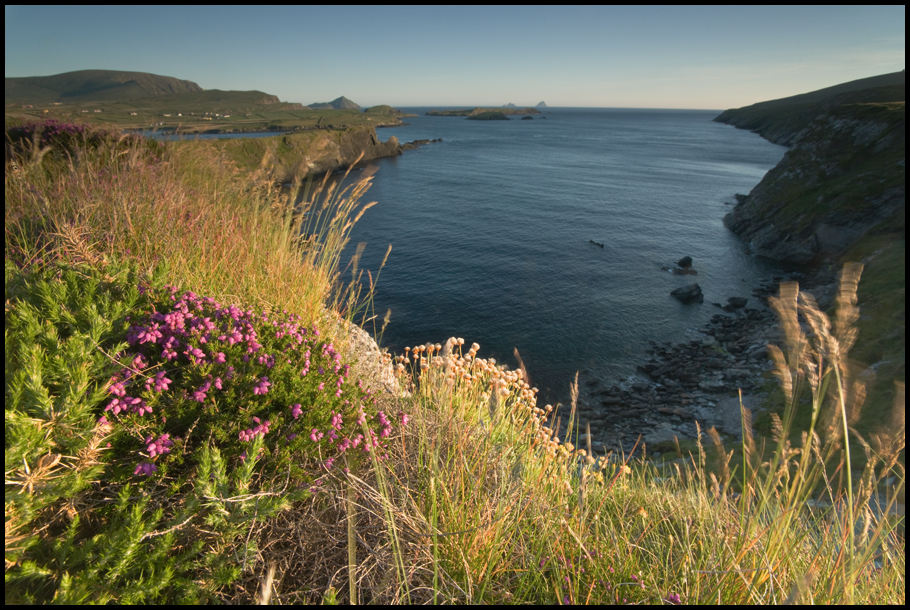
652	57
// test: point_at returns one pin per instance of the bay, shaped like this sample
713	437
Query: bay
491	231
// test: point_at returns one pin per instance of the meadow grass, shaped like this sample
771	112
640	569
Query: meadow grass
176	429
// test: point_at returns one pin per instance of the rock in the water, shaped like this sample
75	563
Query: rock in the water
737	302
689	294
685	262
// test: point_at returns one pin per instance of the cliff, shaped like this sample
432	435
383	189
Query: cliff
842	178
298	155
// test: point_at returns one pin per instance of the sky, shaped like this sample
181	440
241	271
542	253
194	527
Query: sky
622	57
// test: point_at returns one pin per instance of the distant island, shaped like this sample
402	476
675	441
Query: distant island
144	101
341	103
511	105
489	116
475	111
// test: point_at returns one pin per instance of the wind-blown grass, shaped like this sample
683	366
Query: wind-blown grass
132	477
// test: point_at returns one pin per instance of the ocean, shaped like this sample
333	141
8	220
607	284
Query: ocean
491	228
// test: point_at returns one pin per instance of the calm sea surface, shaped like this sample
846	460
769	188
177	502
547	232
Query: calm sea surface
490	234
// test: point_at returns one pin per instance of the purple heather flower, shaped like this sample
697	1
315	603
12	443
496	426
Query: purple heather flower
140	407
161	382
673	599
160	446
249	434
262	387
199	395
118	390
296	410
145	468
150	334
336	421
315	435
218	383
116	406
194	353
219	358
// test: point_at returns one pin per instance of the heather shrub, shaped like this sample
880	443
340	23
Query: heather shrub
144	426
64	140
235	375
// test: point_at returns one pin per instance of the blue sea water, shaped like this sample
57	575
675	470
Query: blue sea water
491	228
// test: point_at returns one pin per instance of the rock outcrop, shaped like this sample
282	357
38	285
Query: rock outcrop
689	294
298	155
415	143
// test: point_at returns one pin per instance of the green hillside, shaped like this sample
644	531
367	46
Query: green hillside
780	120
839	196
92	86
138	100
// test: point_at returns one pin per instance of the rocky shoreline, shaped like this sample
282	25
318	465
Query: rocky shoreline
689	382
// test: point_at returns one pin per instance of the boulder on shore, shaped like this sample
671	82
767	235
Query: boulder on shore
689	294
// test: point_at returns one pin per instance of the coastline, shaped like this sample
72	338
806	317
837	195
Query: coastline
693	381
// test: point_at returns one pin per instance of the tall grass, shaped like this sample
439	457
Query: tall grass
476	500
229	235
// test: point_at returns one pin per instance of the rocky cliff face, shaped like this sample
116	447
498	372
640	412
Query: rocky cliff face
298	155
842	177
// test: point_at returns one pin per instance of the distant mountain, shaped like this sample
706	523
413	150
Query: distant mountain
342	103
541	105
93	86
510	105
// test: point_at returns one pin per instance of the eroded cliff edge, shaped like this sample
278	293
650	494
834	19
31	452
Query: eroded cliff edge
843	177
285	158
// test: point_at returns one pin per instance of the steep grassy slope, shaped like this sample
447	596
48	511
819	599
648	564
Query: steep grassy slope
839	196
92	85
781	120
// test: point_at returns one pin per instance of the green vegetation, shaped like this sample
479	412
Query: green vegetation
92	86
840	191
137	101
130	480
780	120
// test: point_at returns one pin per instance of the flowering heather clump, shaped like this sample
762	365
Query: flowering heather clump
64	136
197	369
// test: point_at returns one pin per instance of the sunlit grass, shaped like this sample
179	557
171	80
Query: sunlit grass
475	499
